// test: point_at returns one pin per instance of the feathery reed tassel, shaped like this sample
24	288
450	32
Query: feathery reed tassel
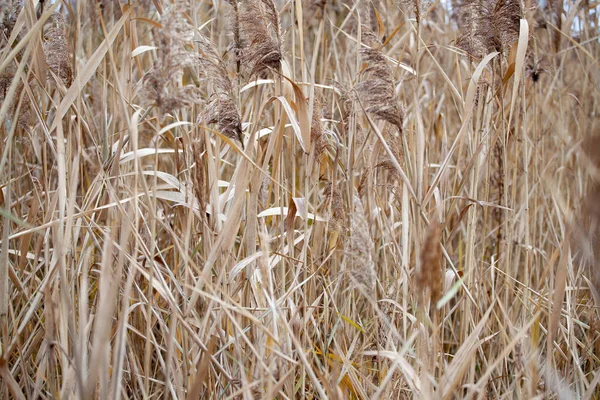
25	117
378	90
335	203
317	137
200	187
221	108
470	15
429	272
395	143
9	11
6	78
57	51
163	82
506	17
488	26
236	45
359	264
586	229
414	6
262	51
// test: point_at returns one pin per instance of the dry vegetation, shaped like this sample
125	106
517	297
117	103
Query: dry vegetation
318	199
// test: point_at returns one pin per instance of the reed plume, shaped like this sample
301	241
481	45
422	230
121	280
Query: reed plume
429	277
586	229
317	134
262	49
488	26
378	91
57	50
335	203
163	83
395	143
199	175
9	11
236	46
417	7
6	78
221	108
359	260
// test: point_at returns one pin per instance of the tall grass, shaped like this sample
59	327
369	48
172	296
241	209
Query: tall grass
319	199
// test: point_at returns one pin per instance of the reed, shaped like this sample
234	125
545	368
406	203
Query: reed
319	199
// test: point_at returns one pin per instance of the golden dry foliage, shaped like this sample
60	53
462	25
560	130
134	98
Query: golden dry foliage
260	199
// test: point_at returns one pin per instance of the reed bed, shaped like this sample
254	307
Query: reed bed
299	199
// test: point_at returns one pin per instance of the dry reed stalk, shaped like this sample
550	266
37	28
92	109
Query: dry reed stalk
183	321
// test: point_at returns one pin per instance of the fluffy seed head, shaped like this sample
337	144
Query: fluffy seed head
57	51
378	90
429	272
262	49
488	25
359	263
221	108
163	83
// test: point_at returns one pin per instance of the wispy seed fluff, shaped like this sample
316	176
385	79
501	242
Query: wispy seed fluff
359	261
429	271
334	203
317	134
236	45
57	51
9	11
585	232
221	108
488	25
262	49
378	90
163	83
